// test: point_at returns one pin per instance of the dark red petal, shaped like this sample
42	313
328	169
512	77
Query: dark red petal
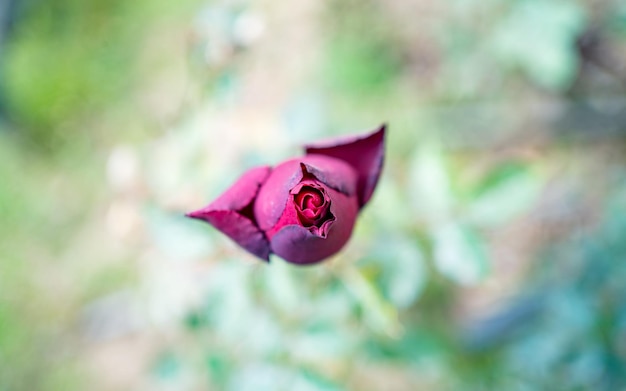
288	217
232	214
273	195
332	172
310	215
242	192
364	153
239	228
272	198
297	244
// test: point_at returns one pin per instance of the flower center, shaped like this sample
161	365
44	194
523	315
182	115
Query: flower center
311	205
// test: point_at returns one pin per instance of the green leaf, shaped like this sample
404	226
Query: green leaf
309	381
397	265
505	195
459	253
379	314
219	368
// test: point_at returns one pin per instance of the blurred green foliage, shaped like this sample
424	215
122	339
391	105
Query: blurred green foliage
571	319
63	65
30	342
538	37
488	259
69	60
357	65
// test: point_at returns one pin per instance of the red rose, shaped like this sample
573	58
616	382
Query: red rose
304	209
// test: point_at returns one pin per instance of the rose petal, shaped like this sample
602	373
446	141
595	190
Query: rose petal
364	153
301	245
232	214
311	202
273	195
272	198
289	217
332	172
242	192
239	228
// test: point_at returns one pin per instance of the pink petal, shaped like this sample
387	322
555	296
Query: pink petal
232	214
364	153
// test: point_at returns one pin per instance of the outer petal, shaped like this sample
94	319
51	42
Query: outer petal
272	197
364	153
240	229
243	191
232	214
297	244
332	172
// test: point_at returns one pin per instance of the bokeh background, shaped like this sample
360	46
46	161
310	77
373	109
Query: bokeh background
491	257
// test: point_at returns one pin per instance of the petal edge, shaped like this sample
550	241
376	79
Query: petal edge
232	213
239	228
365	153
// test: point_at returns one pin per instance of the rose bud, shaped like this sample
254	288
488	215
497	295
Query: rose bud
304	209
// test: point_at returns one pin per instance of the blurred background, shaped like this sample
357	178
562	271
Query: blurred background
491	257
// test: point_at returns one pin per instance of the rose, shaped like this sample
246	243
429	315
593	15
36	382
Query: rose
304	209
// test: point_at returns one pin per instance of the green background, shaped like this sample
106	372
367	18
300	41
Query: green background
491	257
